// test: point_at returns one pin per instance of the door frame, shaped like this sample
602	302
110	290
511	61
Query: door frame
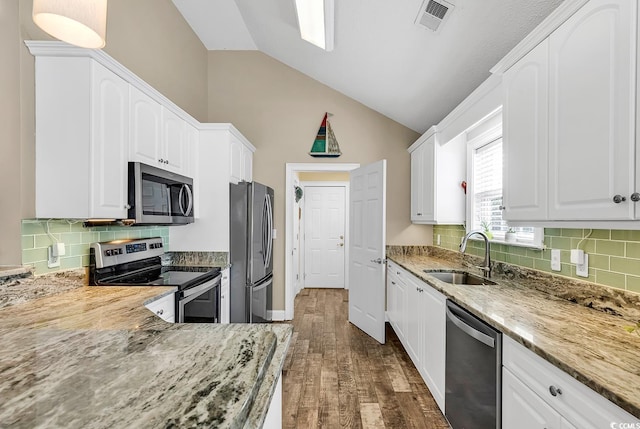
290	175
303	242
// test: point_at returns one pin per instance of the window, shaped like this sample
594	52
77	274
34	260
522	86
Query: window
484	197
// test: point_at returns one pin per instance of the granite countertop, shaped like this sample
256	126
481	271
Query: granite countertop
550	315
95	357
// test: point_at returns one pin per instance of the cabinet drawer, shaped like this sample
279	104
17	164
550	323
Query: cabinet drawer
579	404
163	308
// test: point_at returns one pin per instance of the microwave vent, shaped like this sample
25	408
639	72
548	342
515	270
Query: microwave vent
433	14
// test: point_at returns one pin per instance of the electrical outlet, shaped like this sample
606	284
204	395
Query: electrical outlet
582	270
53	260
555	260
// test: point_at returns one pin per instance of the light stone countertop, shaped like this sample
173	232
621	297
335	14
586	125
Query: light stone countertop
95	357
591	345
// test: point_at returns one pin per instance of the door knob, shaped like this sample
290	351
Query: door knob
619	198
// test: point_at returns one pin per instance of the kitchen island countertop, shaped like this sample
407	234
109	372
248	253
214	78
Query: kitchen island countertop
95	357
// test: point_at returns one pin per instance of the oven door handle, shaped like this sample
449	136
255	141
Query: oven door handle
483	338
198	290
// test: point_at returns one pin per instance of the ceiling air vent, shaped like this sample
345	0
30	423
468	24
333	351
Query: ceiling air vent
433	13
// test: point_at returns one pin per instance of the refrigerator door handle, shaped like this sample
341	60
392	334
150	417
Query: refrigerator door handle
265	221
269	230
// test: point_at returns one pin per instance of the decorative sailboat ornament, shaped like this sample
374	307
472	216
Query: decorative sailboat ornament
325	144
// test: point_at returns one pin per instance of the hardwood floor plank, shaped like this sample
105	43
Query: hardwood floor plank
371	416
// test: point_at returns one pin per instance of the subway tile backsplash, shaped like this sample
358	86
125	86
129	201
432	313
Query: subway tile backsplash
77	238
614	256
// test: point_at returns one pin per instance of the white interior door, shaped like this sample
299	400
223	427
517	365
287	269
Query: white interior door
367	228
324	229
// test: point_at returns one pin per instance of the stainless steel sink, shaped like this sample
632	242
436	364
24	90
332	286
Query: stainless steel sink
459	278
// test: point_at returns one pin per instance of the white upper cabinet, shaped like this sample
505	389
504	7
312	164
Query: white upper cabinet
437	170
158	136
525	136
109	144
145	129
592	112
174	142
81	139
241	161
570	115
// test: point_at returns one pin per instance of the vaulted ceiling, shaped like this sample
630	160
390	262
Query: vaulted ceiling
381	57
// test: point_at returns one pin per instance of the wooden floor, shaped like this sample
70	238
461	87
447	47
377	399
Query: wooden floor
336	376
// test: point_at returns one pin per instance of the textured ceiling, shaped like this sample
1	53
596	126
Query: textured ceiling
381	58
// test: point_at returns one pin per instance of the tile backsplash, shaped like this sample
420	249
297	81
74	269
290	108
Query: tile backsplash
77	238
614	256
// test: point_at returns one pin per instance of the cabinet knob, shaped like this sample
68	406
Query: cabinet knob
555	391
166	161
419	214
619	198
501	207
160	312
393	283
127	206
161	161
635	197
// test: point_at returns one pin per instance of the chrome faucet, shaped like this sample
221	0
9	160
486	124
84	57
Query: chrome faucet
486	265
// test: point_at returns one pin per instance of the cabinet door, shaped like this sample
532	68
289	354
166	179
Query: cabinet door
591	141
414	335
174	142
523	409
401	309
109	144
191	151
434	343
417	184
235	161
525	136
247	164
145	129
224	297
428	179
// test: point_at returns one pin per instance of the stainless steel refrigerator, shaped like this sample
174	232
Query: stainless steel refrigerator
251	252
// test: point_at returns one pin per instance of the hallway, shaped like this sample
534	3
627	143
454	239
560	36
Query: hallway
335	376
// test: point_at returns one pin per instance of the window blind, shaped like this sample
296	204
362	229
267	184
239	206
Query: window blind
487	189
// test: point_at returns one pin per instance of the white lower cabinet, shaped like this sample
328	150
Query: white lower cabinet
536	394
165	308
418	317
225	309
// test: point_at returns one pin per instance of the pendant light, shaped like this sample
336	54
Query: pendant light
78	22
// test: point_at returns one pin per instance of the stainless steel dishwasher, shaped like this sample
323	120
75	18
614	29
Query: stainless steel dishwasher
473	371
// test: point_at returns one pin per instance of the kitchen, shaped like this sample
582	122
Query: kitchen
139	42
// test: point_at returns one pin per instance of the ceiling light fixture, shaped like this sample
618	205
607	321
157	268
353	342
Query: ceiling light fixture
316	22
78	22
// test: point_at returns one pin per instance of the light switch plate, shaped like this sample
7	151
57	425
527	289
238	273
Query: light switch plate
582	270
555	260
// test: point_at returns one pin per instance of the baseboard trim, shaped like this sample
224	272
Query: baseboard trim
276	315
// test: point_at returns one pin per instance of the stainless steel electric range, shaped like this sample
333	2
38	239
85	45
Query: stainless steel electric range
138	262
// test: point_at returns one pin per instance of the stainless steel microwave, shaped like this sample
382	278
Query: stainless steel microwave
159	197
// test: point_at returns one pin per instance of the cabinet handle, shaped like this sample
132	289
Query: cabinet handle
398	272
635	197
555	391
501	207
419	214
160	312
619	198
166	161
127	206
393	283
161	160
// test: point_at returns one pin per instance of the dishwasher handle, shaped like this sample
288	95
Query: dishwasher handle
483	338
